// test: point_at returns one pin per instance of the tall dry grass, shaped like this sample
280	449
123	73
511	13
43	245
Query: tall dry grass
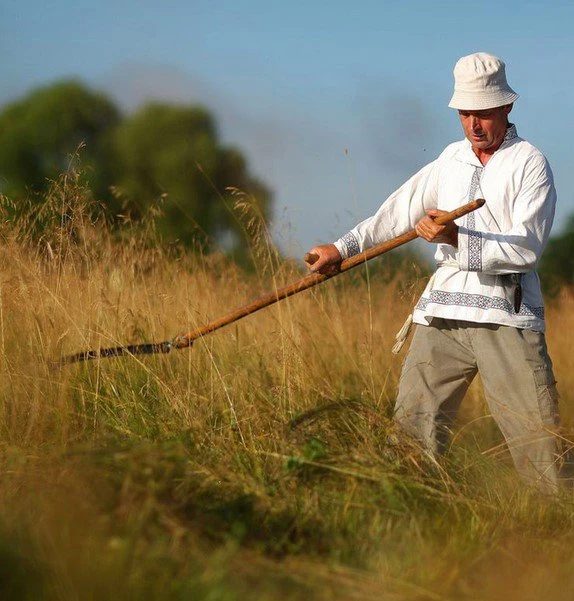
260	464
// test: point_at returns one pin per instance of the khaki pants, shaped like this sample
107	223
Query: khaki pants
519	386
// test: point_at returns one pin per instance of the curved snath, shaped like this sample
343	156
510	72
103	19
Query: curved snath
186	340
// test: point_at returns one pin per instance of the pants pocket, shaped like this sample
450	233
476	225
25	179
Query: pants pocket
547	394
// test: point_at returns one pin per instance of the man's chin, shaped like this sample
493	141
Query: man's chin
479	142
482	145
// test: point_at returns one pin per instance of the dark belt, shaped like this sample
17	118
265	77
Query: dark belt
516	282
516	279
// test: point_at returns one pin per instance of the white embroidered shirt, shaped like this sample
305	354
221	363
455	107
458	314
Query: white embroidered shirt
504	237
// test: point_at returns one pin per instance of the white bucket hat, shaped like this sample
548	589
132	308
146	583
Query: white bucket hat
480	83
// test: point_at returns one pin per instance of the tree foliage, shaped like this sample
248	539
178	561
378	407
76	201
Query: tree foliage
162	156
557	264
174	152
39	133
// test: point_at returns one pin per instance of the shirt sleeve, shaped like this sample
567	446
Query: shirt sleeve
398	214
519	249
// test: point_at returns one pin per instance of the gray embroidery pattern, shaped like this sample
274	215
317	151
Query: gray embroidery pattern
477	301
510	132
351	244
474	237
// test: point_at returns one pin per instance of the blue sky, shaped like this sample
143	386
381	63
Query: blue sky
334	103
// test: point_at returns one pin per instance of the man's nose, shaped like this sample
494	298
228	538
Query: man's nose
474	123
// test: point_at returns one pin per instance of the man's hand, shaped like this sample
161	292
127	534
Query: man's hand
329	259
433	232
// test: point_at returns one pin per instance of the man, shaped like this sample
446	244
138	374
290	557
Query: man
482	311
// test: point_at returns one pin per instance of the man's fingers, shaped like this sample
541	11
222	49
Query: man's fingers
330	269
326	268
324	259
311	258
315	262
323	265
427	229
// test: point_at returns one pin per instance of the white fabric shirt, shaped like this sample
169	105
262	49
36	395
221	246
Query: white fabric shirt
506	236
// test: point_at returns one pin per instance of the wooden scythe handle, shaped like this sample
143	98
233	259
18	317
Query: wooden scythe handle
185	340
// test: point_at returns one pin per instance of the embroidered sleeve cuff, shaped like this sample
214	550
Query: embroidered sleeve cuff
348	246
469	253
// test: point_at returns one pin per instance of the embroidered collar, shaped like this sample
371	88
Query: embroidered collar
510	132
466	154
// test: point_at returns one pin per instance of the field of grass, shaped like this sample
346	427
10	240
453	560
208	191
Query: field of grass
261	463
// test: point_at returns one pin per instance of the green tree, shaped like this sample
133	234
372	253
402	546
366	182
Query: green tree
162	154
557	264
39	134
173	152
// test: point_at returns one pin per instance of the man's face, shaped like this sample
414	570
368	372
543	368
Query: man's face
485	129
